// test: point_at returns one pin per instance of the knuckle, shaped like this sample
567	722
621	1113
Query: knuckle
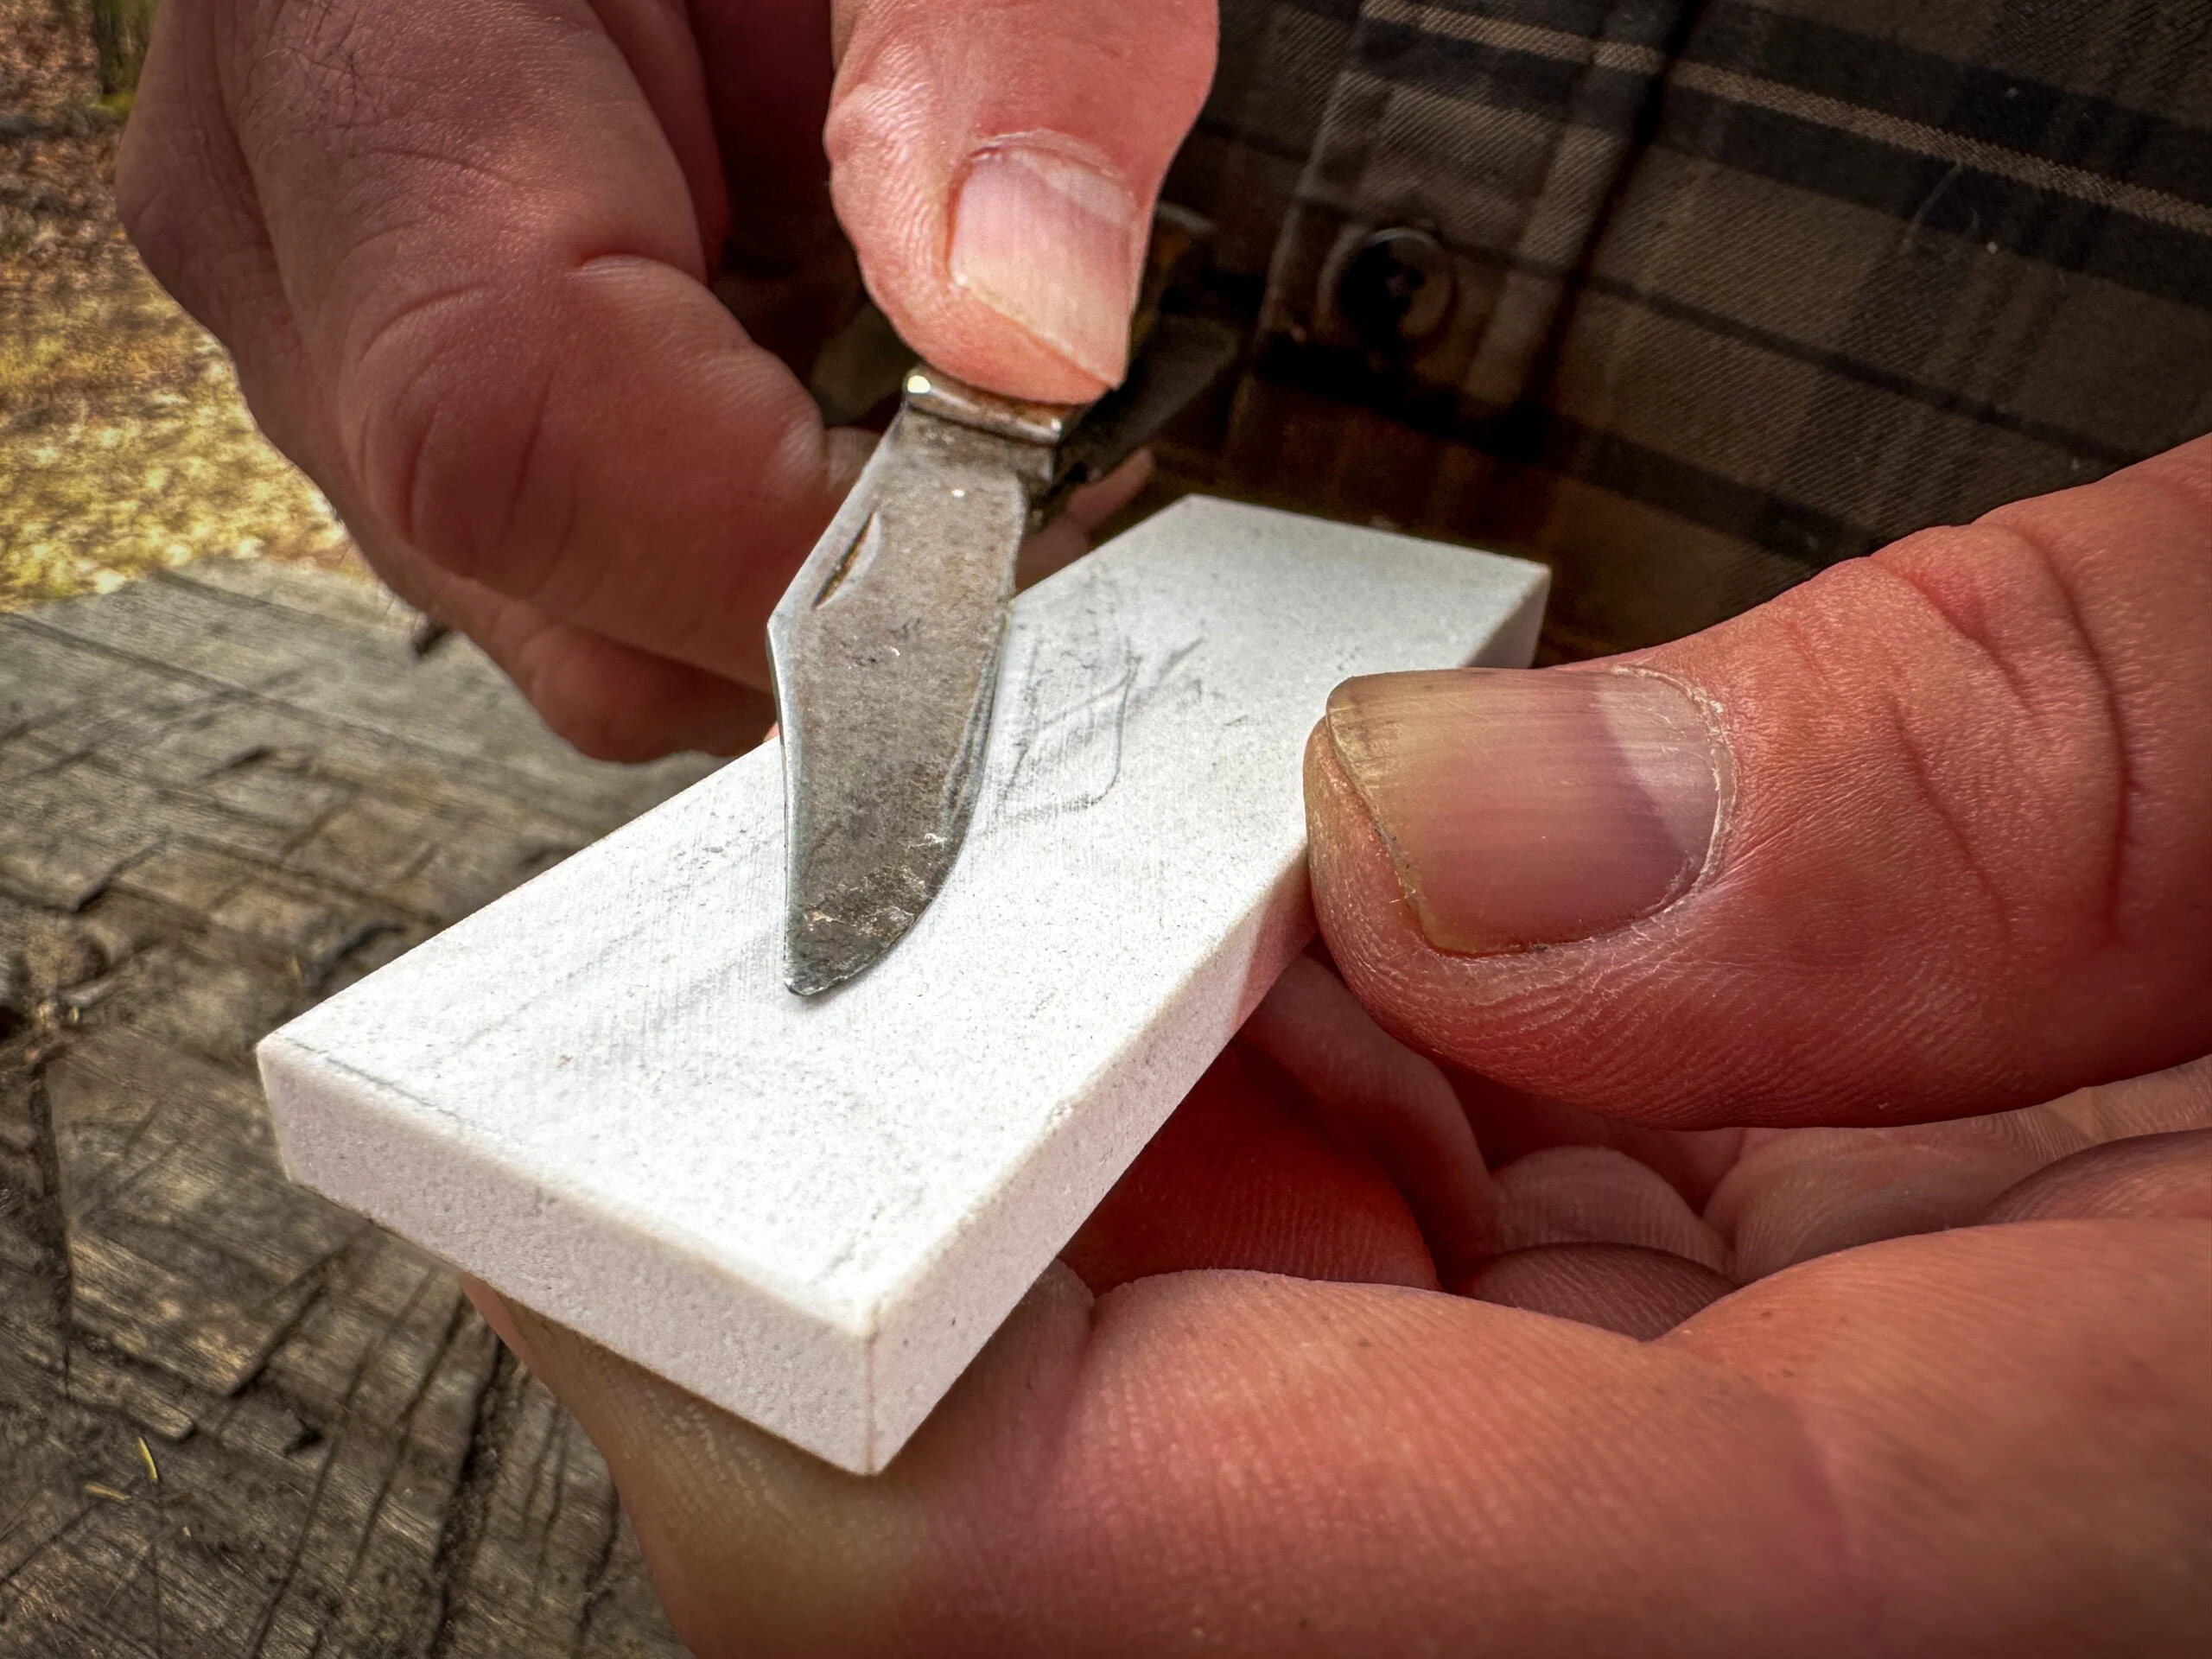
444	429
2041	640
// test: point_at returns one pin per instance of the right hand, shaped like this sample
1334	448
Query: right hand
466	255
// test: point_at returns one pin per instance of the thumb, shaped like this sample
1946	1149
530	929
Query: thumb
1930	834
995	162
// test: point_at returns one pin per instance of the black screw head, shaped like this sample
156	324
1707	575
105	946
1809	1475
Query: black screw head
1394	289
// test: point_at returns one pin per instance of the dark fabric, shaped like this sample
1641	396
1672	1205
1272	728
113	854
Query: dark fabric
1737	290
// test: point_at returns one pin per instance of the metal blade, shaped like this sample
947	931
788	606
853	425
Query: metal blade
886	650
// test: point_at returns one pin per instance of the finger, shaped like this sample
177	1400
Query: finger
1794	1194
183	192
502	306
612	702
617	702
2178	1099
1871	1454
2145	1175
1930	835
1387	1100
1803	1193
496	1314
995	161
1595	1195
1240	1178
1510	1123
1639	1293
1791	1195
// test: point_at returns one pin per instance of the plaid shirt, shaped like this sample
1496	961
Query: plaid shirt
1689	298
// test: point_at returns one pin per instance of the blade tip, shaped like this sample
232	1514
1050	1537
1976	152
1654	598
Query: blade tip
813	964
836	935
812	979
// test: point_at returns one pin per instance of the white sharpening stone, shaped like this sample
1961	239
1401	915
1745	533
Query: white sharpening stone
597	1096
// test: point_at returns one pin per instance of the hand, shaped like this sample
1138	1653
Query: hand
467	255
1930	835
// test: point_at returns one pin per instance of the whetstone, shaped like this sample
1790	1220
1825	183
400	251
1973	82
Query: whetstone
597	1096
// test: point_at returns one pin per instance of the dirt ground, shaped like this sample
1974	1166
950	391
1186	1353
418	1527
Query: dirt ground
124	444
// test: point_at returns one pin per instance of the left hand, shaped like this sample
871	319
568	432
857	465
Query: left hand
1349	1361
1964	1440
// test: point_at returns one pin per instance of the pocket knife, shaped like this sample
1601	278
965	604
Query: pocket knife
885	647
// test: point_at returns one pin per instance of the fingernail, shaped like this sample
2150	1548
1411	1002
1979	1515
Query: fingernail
1050	239
1523	808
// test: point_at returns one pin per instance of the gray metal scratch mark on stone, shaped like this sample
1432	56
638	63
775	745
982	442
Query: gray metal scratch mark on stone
1079	692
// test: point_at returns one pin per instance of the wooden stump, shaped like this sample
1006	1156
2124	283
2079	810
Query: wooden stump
235	1420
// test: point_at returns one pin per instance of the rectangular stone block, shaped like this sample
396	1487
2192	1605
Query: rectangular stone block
597	1096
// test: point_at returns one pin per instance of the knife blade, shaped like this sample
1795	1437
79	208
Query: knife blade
885	647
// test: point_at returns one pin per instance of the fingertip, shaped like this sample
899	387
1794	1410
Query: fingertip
614	702
1634	1290
753	1544
1357	898
1355	894
2146	1176
1596	1195
1365	914
995	166
1243	1177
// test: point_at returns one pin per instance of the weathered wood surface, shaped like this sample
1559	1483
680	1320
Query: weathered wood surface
235	1420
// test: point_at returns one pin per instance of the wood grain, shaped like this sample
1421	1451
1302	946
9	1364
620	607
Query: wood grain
235	1420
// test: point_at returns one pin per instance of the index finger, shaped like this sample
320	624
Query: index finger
494	221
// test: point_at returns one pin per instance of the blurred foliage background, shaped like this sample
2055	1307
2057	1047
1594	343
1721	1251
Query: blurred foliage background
124	444
119	30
